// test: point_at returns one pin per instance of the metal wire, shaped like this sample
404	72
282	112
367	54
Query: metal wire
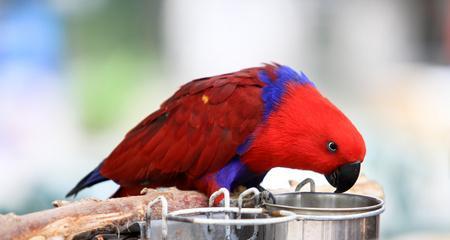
285	216
226	203
164	212
341	217
244	194
312	185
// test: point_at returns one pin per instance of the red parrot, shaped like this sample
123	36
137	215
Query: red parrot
230	130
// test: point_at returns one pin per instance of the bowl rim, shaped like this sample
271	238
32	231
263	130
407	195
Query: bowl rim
380	203
281	216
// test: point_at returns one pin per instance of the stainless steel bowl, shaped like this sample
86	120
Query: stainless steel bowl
224	223
329	216
217	222
319	203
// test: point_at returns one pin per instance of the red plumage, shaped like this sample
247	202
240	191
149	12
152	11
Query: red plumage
195	132
305	122
232	129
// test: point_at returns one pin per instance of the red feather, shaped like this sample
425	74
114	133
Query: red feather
190	141
195	132
295	135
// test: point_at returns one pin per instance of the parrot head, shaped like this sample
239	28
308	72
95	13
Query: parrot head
304	130
325	140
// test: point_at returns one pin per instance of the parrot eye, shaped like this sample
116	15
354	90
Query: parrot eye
332	146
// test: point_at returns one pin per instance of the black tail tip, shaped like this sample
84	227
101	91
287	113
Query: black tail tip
92	178
73	193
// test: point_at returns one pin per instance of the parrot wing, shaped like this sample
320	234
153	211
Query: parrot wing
195	132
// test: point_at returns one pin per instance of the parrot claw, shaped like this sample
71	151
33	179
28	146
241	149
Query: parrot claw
237	191
60	203
148	190
145	191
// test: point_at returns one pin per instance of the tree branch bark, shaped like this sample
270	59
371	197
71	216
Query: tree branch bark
69	219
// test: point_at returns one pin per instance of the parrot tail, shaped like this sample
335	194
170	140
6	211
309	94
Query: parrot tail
92	178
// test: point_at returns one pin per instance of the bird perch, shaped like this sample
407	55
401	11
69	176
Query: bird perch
69	219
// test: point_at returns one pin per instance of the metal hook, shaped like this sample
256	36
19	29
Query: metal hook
226	197
164	211
312	185
240	202
244	194
226	200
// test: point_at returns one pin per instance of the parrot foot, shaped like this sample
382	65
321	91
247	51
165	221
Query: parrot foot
146	191
60	203
249	201
237	191
149	190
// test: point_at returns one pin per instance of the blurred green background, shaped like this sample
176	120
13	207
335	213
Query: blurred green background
75	76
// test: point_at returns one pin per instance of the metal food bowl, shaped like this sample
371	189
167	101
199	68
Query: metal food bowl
223	223
218	222
296	215
328	215
318	203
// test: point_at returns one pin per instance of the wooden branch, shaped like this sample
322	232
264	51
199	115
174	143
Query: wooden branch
89	217
72	218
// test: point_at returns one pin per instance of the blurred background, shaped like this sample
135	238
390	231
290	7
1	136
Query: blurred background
75	76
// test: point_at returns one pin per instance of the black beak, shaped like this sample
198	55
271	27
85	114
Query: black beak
344	177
